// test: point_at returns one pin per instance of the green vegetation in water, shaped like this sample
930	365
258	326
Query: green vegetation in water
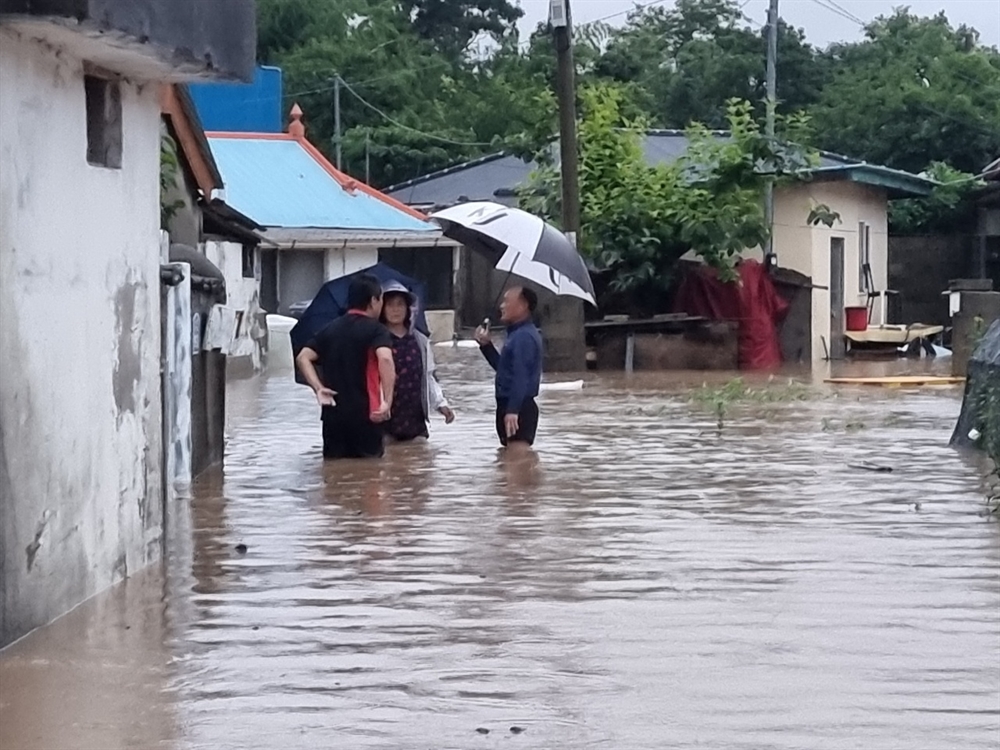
721	399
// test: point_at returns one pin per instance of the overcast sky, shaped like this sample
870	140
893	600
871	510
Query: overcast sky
822	24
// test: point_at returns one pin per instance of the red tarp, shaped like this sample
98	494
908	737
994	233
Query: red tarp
752	301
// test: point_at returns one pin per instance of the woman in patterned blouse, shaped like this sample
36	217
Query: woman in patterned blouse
418	392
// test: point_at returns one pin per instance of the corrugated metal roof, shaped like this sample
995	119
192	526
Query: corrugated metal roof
277	182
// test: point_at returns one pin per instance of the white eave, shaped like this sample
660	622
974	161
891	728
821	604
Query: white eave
312	238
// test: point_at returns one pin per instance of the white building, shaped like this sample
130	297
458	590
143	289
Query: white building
323	224
81	449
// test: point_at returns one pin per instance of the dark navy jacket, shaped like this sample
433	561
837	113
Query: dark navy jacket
518	366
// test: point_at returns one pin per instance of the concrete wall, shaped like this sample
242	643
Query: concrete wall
80	397
243	295
988	221
153	39
920	269
807	249
342	261
704	346
301	273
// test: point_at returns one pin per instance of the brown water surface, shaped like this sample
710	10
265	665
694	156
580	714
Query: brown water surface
646	582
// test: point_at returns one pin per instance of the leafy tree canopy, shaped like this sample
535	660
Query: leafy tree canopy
639	220
445	80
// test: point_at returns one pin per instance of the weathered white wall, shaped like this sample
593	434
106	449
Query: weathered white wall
807	249
242	295
177	381
342	261
80	426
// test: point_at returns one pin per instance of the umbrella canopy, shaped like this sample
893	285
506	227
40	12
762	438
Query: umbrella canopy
526	245
331	302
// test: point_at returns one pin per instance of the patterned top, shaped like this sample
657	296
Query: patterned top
408	418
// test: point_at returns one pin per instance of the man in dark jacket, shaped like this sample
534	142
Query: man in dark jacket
518	367
358	377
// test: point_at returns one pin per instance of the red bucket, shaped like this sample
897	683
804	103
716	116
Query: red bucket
856	318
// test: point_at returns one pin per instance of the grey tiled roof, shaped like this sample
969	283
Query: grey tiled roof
495	177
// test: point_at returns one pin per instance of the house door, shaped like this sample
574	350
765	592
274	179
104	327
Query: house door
838	347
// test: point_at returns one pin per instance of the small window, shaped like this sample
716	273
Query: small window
104	122
864	255
249	262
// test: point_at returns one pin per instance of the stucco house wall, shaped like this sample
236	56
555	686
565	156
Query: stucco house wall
81	483
242	295
81	425
807	249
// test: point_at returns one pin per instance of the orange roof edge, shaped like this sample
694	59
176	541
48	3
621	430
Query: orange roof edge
187	140
249	136
344	180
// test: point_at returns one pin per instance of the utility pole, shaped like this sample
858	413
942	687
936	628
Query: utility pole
565	345
336	119
772	104
562	32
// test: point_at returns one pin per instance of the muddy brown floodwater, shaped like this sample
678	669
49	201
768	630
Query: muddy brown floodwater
650	582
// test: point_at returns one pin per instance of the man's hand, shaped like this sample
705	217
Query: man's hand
511	424
448	414
382	414
326	397
482	336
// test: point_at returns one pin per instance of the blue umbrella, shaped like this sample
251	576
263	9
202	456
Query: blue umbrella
331	302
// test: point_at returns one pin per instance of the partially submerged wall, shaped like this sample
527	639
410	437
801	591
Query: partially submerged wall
920	268
80	404
243	295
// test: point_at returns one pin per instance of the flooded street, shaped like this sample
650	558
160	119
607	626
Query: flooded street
650	582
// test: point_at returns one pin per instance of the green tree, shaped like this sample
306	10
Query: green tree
638	220
407	107
284	25
692	59
452	25
916	90
949	208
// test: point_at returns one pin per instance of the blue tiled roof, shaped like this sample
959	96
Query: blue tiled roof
279	184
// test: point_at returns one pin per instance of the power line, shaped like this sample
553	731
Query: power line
633	9
836	9
398	124
846	12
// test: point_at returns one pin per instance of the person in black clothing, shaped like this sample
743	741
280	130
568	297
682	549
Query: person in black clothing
357	376
518	368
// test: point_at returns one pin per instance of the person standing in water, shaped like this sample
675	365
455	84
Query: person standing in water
518	368
358	377
417	394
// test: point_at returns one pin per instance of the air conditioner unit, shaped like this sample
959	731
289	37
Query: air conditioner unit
558	13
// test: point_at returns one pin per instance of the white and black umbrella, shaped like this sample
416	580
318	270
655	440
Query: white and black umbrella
528	246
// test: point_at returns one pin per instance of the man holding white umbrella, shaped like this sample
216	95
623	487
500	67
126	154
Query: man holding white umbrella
518	367
522	245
